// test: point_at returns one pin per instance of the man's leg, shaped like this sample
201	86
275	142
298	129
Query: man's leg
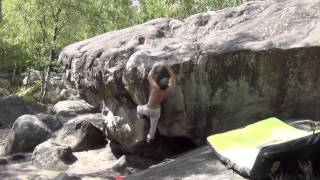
153	128
140	112
140	124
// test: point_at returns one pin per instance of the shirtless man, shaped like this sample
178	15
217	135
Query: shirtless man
161	81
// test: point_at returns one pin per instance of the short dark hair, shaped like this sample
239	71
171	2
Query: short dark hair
162	76
163	83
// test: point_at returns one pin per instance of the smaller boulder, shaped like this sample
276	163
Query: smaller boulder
51	121
96	120
51	156
68	109
27	132
74	106
80	136
65	116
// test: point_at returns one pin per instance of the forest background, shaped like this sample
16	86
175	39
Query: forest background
33	32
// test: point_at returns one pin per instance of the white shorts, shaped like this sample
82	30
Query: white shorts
154	114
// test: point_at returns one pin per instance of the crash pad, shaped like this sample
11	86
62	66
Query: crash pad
253	150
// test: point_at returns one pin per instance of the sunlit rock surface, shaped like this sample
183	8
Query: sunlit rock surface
234	67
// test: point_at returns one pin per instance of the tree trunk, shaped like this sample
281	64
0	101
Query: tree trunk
50	59
14	70
28	75
42	79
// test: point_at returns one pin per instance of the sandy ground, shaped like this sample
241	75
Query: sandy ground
94	164
25	171
97	164
91	165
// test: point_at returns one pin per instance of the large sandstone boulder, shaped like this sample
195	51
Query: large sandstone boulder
27	132
234	67
11	107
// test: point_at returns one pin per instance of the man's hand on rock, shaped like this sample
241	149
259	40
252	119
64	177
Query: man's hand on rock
161	63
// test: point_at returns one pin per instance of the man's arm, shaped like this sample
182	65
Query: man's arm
172	80
151	80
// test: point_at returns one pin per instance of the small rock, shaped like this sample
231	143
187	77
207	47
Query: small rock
3	161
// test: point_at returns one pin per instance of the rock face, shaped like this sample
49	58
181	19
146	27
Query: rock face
27	132
234	67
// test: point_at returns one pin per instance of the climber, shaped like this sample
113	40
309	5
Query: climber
161	80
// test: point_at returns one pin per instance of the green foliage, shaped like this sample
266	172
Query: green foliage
27	27
181	9
30	23
29	90
98	16
32	92
4	92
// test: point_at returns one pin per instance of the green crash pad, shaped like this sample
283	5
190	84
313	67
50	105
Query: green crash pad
240	148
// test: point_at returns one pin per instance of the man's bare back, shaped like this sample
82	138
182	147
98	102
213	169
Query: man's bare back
157	95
